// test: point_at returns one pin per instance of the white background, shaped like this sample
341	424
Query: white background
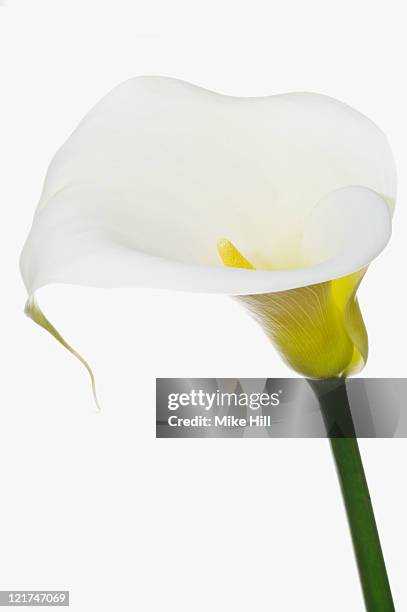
93	502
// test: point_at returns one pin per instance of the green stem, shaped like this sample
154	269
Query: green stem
334	403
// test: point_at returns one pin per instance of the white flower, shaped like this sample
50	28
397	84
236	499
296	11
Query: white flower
160	170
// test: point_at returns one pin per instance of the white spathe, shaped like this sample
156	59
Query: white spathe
160	169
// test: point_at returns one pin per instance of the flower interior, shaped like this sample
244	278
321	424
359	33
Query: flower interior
318	329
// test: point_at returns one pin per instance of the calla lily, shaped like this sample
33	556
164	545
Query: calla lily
281	201
297	191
